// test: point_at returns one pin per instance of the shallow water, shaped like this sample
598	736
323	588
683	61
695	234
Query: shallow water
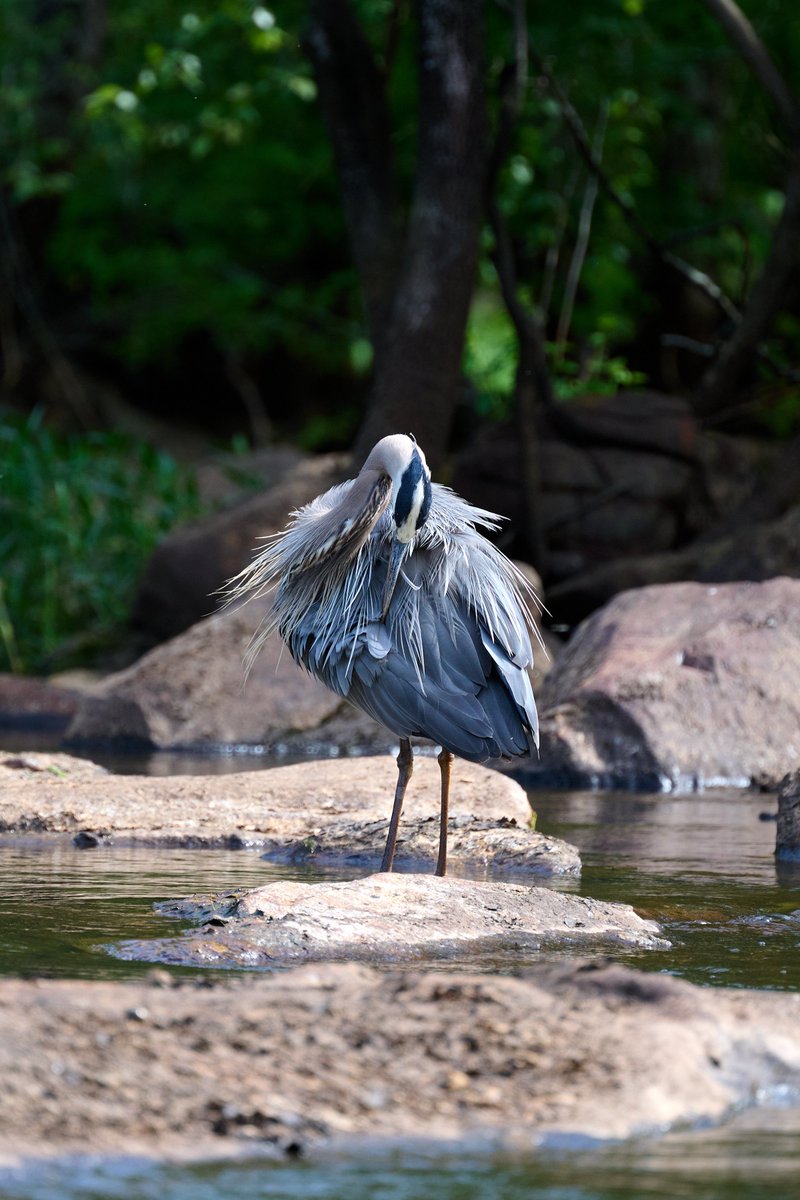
701	865
754	1157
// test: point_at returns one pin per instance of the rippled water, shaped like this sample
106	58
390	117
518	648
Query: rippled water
700	865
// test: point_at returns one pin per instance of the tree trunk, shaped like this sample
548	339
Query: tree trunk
417	374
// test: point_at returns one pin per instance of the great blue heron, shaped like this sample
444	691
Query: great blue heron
387	592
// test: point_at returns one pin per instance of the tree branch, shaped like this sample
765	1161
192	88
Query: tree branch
722	377
744	37
532	383
699	279
584	231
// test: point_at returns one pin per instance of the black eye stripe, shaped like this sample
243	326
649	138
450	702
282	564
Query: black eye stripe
405	493
426	503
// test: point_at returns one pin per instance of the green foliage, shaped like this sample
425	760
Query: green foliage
690	141
197	183
79	517
194	195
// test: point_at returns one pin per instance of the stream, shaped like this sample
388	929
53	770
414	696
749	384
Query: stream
701	865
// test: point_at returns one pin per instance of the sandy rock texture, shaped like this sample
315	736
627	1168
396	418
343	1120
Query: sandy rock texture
314	1055
387	918
333	812
678	686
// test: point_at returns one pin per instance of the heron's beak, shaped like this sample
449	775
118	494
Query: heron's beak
392	572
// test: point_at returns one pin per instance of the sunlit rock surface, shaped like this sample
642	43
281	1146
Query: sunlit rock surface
334	812
678	686
323	1055
387	918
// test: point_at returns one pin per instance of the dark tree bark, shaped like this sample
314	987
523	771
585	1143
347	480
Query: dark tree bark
417	381
737	356
417	285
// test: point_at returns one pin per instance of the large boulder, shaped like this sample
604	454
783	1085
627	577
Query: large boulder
191	692
194	562
621	475
678	687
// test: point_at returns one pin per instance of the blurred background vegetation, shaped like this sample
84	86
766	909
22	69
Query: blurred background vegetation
181	267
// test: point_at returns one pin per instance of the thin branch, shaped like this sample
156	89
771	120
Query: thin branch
533	376
554	249
695	276
722	377
584	232
744	37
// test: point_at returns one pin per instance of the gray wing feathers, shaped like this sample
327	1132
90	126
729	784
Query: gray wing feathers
471	697
451	664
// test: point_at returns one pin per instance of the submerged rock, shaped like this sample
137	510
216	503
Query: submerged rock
295	1059
678	687
387	918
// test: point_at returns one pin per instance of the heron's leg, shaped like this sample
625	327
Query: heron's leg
405	769
445	761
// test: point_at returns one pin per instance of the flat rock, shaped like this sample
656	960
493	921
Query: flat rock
334	811
387	918
33	767
344	1054
191	692
677	687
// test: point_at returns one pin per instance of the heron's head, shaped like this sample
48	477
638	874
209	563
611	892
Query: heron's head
400	458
